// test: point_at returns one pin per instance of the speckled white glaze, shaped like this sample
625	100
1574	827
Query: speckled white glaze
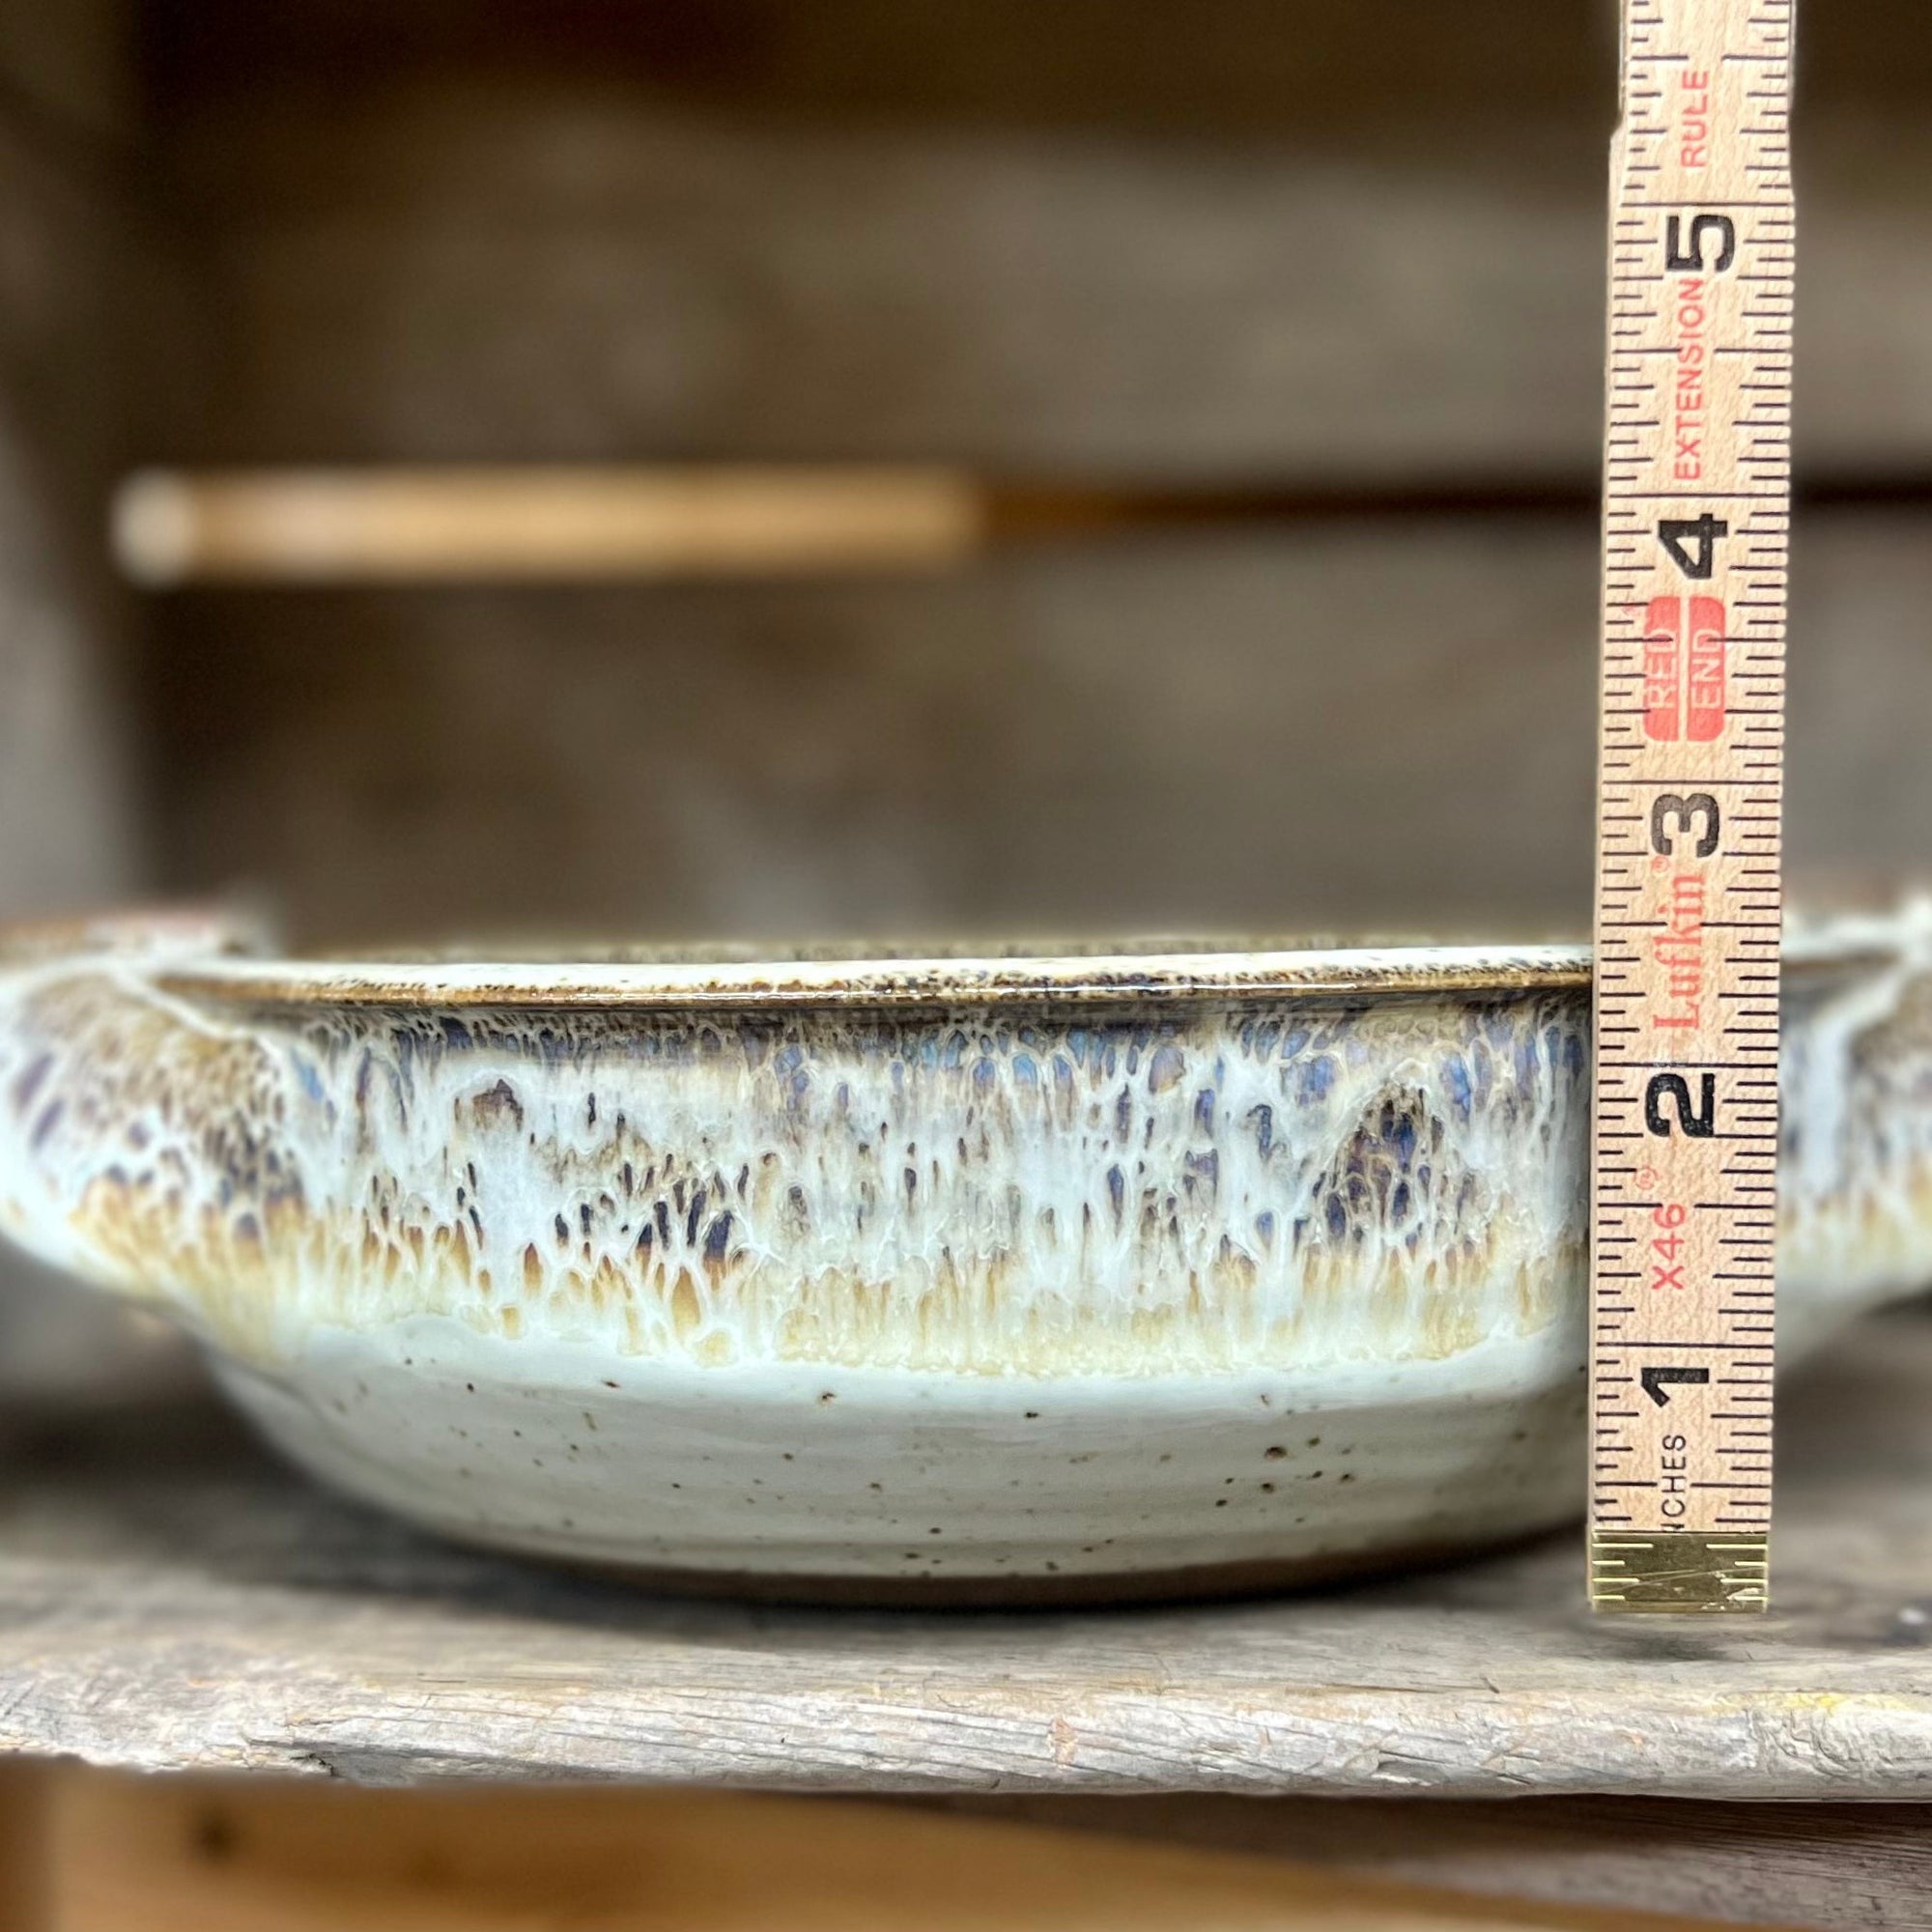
978	1276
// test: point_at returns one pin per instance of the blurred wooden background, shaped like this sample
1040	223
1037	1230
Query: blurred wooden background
1267	249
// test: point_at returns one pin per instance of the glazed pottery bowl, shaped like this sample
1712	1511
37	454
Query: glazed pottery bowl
969	1278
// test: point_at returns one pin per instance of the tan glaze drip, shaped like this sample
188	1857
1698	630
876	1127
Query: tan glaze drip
443	1242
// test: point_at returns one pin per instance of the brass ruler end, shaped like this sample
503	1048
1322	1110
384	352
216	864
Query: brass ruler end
1679	1573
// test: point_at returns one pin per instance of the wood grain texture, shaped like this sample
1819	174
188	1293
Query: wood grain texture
204	1611
1353	727
65	836
26	1788
72	65
1261	67
1236	244
1225	732
129	1854
69	822
487	523
540	279
1863	1866
455	266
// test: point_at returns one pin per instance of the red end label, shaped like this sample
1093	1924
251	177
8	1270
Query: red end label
1684	689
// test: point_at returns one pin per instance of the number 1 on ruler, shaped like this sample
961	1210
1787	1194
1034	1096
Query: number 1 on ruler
1696	500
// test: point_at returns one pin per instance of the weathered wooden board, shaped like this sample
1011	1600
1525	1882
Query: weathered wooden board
1366	725
1176	67
1864	1866
166	1609
264	1854
450	267
65	834
71	64
68	818
508	276
1237	242
73	255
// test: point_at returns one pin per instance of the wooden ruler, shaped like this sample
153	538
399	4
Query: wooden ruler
1696	498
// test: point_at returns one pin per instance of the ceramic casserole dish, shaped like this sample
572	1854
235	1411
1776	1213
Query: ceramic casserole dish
963	1279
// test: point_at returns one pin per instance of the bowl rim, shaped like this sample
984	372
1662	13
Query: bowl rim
932	979
1234	974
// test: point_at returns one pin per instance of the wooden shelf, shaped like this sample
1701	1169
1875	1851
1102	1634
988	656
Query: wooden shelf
170	1598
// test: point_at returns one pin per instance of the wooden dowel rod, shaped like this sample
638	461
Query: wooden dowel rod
587	522
414	524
